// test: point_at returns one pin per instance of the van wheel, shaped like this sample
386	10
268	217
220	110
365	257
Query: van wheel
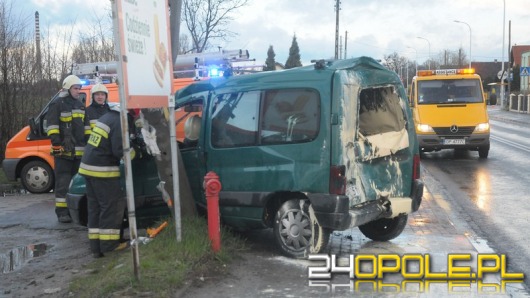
37	177
483	152
293	230
319	235
384	229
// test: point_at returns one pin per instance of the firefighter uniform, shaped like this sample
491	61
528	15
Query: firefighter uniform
68	129
100	166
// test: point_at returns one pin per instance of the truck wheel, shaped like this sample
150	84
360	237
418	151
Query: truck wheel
293	230
37	177
483	152
384	229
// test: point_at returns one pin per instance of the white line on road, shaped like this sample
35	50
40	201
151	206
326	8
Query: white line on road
510	143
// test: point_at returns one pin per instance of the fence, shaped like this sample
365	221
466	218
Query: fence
520	103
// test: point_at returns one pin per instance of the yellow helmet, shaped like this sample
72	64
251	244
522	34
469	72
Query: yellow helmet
71	80
99	88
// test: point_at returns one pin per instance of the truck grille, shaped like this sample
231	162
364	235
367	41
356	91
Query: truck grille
450	131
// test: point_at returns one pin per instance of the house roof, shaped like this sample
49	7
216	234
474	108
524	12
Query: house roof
517	52
488	70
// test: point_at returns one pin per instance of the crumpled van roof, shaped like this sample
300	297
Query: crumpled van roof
367	71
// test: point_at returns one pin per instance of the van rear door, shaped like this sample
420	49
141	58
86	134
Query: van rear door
384	143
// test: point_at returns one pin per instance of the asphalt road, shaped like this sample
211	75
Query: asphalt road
38	255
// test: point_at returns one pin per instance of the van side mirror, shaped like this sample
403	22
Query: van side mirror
33	127
82	97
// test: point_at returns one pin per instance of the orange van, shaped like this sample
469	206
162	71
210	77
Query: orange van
27	155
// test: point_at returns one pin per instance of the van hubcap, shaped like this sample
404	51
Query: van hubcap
295	229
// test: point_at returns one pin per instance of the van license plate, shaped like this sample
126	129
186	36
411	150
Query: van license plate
454	141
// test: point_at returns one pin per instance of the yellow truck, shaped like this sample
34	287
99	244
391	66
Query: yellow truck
449	110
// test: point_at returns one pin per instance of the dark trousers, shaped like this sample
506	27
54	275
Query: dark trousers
65	169
106	208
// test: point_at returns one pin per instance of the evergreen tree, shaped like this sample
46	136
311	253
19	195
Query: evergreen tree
270	63
294	55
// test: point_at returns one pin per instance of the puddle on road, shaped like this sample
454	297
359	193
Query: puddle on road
18	257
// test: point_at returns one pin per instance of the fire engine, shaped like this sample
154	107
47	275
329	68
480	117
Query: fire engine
27	155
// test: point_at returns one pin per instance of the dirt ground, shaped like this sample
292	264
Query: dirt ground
38	255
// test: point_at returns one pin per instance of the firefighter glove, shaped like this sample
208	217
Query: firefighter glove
69	145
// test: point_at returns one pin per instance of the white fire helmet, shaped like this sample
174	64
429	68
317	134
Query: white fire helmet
71	80
99	88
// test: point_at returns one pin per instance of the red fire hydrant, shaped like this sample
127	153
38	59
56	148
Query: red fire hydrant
212	187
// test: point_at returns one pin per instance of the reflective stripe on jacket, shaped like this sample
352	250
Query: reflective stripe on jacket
104	149
66	119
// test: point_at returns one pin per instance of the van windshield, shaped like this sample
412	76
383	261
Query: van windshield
449	91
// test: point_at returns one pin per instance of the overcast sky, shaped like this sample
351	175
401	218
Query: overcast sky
375	28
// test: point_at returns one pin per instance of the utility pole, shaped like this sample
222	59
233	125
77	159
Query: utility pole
340	48
346	45
337	8
503	100
37	46
509	60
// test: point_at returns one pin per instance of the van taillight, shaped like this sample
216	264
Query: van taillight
337	180
416	167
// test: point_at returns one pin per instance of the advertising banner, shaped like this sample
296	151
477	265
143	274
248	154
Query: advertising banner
145	52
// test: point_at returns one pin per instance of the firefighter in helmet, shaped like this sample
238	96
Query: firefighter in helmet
69	129
106	200
98	106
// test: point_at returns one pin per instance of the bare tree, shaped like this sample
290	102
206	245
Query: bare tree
98	44
15	79
24	90
208	19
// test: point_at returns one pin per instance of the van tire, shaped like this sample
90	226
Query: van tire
384	229
37	177
293	227
483	152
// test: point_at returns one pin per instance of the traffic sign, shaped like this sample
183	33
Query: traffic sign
504	75
525	71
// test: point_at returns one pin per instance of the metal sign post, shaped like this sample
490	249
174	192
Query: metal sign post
175	168
141	35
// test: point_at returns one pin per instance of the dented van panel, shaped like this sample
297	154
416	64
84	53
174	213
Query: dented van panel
375	140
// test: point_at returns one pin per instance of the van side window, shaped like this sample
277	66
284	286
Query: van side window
290	116
380	111
235	119
287	116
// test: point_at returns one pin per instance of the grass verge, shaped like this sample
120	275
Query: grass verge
3	178
165	265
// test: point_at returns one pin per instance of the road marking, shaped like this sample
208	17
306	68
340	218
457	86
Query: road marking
441	202
510	143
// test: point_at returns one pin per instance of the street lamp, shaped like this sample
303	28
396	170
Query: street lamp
415	61
429	49
469	39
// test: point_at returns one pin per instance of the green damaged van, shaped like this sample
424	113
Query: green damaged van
306	151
